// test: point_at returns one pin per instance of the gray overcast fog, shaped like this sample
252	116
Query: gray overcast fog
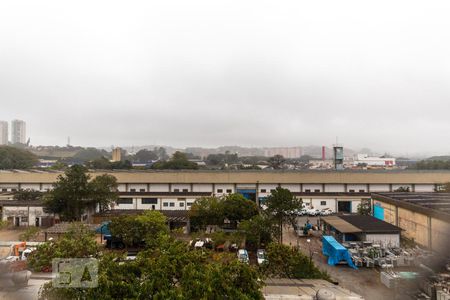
211	73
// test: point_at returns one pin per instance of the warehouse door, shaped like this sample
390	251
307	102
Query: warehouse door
249	194
345	206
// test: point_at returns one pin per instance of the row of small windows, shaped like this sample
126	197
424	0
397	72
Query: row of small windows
153	201
229	191
175	190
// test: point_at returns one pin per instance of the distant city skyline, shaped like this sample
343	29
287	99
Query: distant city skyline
17	134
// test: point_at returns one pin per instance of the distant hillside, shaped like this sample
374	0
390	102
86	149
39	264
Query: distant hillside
54	151
441	158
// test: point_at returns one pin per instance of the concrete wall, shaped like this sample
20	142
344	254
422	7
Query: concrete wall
440	235
384	239
203	188
415	225
379	187
159	187
335	188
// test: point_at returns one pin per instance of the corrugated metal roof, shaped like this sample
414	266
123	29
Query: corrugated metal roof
341	225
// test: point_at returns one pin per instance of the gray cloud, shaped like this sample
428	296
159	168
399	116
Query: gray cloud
254	73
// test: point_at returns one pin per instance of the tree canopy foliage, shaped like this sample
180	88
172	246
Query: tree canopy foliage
259	230
27	195
214	211
145	156
206	211
178	161
277	161
78	242
138	230
221	159
280	204
443	163
104	164
74	192
364	208
88	154
14	158
168	269
288	262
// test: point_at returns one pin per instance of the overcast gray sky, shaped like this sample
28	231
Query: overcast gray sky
211	73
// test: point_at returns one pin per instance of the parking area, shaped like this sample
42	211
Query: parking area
365	282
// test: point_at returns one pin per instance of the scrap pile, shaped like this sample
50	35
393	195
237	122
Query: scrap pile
368	254
436	286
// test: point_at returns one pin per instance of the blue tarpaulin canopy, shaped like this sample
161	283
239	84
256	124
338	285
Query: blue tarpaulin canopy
104	229
335	252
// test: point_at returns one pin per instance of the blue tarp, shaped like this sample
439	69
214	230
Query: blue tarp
378	211
335	252
104	229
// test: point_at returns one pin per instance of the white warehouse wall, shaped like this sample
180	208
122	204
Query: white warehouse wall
336	188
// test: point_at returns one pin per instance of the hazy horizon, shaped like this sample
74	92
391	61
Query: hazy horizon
202	73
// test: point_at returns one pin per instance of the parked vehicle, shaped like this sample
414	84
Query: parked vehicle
261	256
312	212
243	256
326	212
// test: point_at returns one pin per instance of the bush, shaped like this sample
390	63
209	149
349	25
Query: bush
29	234
288	262
79	242
3	224
168	270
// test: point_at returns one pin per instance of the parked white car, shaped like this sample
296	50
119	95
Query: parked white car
312	212
243	256
261	256
326	212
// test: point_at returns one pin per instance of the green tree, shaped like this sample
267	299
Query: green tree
138	230
206	211
169	270
14	158
236	208
288	262
161	152
145	156
101	163
103	192
59	165
29	234
364	208
78	242
88	154
259	230
280	204
73	193
27	195
178	161
277	162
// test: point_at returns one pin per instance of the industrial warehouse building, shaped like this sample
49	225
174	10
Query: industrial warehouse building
424	217
339	191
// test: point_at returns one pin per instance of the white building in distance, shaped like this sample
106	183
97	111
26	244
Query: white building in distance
286	152
370	161
3	133
18	132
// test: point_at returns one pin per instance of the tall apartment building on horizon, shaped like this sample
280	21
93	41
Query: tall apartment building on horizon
18	132
3	133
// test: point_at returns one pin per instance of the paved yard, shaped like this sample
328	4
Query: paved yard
364	281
